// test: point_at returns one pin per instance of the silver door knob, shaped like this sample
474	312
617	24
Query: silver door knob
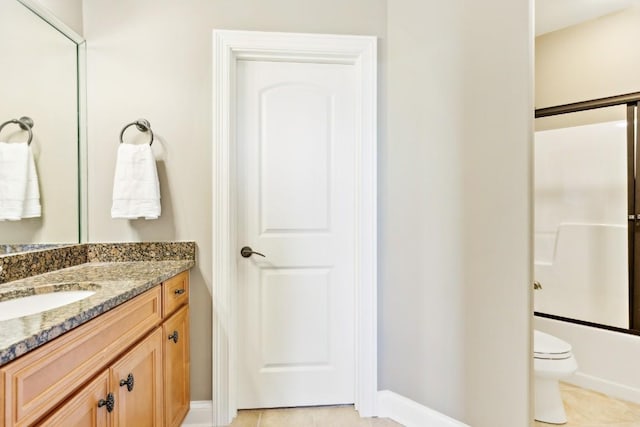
247	252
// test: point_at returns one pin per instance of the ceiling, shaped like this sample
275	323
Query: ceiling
552	15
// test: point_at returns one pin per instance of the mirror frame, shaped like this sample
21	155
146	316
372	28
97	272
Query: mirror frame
81	76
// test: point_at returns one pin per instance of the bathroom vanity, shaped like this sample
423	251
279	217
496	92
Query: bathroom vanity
119	357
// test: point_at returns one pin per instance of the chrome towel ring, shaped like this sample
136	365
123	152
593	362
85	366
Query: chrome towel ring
25	123
142	125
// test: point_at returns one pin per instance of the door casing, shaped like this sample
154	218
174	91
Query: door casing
361	52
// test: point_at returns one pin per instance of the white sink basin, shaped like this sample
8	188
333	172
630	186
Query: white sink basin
32	304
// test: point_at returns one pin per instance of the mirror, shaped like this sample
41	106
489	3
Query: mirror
42	77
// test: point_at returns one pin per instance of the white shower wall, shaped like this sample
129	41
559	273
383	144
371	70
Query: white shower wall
581	223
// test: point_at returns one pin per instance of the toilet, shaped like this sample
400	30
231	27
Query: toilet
552	361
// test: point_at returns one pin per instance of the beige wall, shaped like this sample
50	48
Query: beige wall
153	59
455	247
454	206
596	59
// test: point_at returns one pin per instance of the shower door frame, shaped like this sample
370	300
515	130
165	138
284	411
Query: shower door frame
632	102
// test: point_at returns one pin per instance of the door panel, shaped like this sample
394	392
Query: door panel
296	184
295	194
294	318
82	409
142	405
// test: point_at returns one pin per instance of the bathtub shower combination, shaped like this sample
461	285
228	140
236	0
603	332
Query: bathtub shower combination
586	262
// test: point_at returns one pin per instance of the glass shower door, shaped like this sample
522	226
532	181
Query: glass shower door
581	235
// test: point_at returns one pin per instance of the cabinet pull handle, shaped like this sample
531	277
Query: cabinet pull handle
109	402
179	291
128	382
174	337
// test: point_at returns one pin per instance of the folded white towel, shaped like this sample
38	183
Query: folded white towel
136	190
19	193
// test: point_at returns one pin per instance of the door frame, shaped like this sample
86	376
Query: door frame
361	51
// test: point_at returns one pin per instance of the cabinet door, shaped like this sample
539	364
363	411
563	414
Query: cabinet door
176	367
136	382
87	408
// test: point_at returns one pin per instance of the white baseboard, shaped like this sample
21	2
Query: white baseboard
411	414
610	388
200	414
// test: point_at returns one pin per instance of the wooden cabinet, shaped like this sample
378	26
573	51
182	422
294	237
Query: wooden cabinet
126	358
129	393
43	378
137	384
176	367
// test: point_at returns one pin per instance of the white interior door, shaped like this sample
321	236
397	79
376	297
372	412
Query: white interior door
296	133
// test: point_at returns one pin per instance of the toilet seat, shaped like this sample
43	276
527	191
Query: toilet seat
548	347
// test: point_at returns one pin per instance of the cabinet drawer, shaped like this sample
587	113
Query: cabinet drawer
37	382
175	293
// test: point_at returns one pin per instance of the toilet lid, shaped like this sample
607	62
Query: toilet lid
549	347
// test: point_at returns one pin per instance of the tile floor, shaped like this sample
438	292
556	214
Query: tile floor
323	416
586	408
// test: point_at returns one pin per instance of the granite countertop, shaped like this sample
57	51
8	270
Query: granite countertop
113	283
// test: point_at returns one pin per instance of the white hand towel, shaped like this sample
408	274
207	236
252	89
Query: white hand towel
136	190
19	193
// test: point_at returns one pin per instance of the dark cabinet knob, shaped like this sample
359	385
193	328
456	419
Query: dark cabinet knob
109	402
179	291
174	337
128	382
